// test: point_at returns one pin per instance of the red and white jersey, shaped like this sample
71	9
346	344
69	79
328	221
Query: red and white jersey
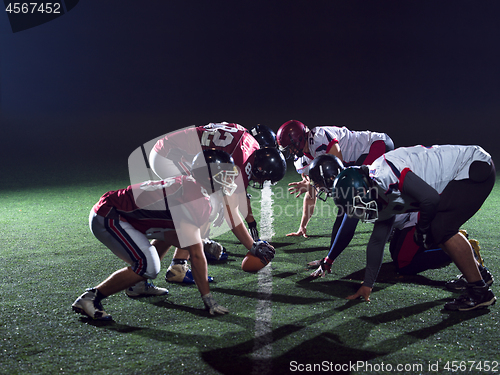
217	125
231	138
150	204
352	144
302	164
436	165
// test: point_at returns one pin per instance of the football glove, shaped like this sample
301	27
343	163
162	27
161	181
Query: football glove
212	306
323	269
263	250
422	238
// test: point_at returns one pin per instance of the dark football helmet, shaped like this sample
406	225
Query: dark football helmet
215	170
291	138
322	172
353	192
268	165
264	135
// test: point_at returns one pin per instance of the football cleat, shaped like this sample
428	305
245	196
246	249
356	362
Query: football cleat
180	273
475	298
214	251
145	289
460	283
88	304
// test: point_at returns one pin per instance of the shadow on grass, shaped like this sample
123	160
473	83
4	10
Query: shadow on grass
281	298
389	275
341	345
338	348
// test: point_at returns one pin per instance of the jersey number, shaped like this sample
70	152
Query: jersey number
218	139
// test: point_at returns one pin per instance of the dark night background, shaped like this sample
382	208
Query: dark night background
94	84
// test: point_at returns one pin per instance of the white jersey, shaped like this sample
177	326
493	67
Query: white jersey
302	164
436	165
352	144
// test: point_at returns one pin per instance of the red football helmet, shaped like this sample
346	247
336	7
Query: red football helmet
291	137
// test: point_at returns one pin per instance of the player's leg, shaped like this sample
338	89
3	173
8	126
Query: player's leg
179	271
459	202
129	245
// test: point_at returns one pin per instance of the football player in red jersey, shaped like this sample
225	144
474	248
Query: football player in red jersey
176	210
172	155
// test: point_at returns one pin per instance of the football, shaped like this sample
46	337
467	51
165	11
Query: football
251	263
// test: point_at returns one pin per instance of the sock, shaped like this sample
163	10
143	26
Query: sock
98	295
478	284
178	261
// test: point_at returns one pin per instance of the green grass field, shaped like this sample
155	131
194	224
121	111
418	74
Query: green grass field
280	321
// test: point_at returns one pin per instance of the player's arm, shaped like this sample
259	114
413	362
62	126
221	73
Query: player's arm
199	267
299	187
335	150
234	220
428	200
308	205
259	248
374	256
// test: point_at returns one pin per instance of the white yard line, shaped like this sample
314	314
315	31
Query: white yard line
262	349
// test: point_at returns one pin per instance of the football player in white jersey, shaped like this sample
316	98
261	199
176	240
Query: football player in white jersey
351	147
446	184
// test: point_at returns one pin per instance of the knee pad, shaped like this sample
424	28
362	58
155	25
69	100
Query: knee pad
153	266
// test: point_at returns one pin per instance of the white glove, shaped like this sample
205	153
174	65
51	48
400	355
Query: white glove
322	270
212	306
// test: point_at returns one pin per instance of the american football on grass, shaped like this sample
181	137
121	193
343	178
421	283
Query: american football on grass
251	263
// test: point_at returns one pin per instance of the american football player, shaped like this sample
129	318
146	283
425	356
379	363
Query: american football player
176	210
351	147
174	151
446	184
411	259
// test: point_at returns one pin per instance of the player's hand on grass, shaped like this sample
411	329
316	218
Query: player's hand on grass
212	306
363	291
301	232
314	263
322	270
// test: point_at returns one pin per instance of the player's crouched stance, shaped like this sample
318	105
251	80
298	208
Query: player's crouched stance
446	184
179	209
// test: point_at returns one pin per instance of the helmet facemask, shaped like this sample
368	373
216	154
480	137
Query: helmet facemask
292	149
226	178
367	212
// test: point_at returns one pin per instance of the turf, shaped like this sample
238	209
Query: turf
48	257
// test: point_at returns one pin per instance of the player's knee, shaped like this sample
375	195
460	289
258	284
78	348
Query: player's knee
152	268
151	272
